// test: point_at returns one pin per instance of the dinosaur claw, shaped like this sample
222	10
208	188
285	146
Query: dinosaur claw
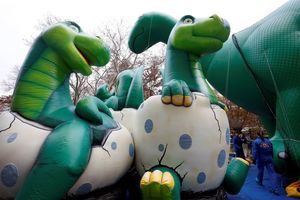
177	100
168	181
166	99
293	190
156	176
157	185
188	100
177	92
145	179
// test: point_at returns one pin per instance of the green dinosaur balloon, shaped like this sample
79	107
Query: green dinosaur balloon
42	95
128	90
258	68
187	40
185	44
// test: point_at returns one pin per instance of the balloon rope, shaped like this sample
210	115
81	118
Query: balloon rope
227	75
236	44
281	104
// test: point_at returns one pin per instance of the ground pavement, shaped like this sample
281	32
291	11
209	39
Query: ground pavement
253	191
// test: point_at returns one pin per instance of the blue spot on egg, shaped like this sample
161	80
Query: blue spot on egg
9	175
114	145
84	189
227	136
12	137
148	125
131	150
161	147
201	177
221	158
185	141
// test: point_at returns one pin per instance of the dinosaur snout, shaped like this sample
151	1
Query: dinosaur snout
221	20
226	24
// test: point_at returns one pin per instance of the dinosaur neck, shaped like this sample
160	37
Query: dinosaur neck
181	65
43	86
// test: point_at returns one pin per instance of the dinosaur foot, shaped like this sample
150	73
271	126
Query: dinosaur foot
293	190
157	185
177	92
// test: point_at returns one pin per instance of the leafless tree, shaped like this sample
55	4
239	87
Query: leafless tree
239	117
5	102
8	84
115	34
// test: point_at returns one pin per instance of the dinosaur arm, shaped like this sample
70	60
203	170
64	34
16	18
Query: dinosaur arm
103	92
90	108
112	102
235	176
58	116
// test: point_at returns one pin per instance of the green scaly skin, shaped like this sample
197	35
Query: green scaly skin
128	90
42	95
258	69
187	40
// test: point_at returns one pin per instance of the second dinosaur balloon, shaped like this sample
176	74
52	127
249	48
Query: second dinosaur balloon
181	145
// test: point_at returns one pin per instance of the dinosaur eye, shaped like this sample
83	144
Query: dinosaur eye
188	21
74	28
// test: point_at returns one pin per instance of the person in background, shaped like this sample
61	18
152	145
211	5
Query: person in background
238	141
249	141
262	152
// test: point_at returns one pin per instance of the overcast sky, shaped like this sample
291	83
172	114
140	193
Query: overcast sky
18	19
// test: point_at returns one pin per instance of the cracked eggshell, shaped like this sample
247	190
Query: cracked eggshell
21	140
193	140
108	163
126	117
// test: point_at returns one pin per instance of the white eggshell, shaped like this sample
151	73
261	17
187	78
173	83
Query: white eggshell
108	163
193	140
126	117
20	143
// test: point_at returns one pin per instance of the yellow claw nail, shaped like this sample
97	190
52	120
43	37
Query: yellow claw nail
244	161
177	100
145	179
188	100
292	190
166	99
156	176
168	180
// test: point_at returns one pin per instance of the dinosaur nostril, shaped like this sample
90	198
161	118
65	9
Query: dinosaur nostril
226	24
98	37
216	17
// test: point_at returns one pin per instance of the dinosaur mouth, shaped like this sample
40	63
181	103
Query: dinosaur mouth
209	37
84	58
86	68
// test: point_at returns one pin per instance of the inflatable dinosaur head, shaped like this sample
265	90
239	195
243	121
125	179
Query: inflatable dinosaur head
78	50
196	36
199	36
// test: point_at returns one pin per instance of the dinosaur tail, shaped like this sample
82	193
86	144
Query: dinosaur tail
150	29
135	96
